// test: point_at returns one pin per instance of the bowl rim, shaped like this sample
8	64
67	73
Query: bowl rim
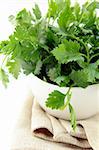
57	86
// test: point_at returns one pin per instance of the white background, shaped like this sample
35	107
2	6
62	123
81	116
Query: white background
11	99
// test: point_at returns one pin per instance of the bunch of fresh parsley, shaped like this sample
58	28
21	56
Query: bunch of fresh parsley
61	47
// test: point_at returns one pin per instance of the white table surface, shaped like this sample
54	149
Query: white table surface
12	98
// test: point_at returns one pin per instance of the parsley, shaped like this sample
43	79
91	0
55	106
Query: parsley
61	47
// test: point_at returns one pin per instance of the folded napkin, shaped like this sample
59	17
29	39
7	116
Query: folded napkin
51	135
53	129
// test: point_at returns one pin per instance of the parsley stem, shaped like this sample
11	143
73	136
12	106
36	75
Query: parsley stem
84	55
94	56
67	98
72	117
71	109
47	58
68	90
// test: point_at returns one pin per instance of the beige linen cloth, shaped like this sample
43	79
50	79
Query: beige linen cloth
36	130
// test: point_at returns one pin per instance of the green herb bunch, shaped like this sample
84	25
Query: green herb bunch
61	48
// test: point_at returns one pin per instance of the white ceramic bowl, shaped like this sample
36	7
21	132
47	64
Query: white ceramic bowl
85	101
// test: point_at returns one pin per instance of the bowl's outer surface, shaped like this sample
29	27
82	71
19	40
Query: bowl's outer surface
85	101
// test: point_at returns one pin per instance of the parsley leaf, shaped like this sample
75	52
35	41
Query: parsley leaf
53	73
62	80
55	100
37	12
67	52
66	16
92	71
23	17
54	8
14	67
80	78
38	67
